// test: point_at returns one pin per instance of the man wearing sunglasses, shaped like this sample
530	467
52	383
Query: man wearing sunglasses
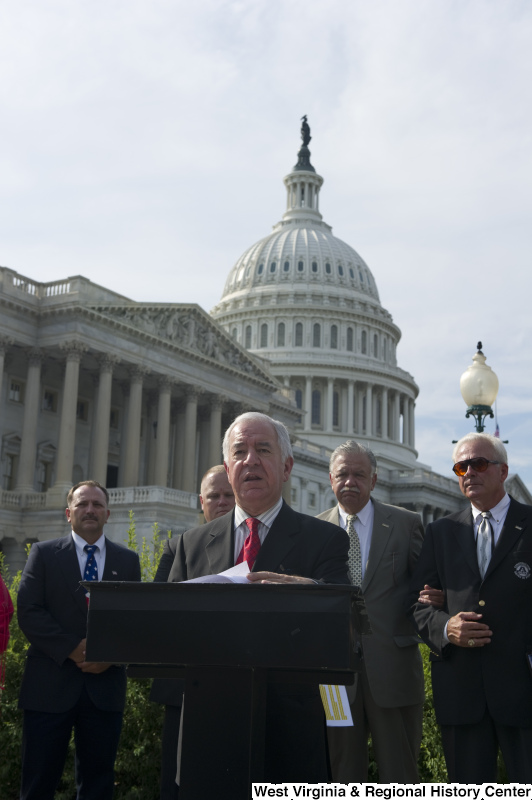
481	640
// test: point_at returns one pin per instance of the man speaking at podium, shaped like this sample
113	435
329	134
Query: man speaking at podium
280	546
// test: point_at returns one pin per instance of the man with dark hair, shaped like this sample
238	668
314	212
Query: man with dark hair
481	640
216	498
60	689
387	699
279	546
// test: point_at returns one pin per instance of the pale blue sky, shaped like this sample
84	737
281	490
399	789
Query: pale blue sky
144	142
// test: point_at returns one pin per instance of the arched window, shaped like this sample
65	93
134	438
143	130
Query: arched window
280	334
350	339
316	407
314	266
334	337
264	335
260	269
364	342
273	266
286	266
247	341
351	272
316	335
299	334
340	270
235	333
376	346
300	266
328	268
385	349
336	410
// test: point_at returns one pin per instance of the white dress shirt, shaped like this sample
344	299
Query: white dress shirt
99	554
266	520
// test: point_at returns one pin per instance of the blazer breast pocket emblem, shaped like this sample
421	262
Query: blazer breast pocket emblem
522	570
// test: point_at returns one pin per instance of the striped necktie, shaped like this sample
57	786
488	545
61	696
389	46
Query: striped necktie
484	542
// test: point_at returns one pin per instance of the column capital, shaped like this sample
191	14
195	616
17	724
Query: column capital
165	383
35	356
73	349
192	393
5	342
107	362
137	373
216	401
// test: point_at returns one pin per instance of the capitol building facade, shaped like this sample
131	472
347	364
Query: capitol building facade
137	395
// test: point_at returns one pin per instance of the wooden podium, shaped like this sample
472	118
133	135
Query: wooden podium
227	641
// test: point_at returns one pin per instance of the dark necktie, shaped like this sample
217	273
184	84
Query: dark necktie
91	567
251	546
484	542
354	560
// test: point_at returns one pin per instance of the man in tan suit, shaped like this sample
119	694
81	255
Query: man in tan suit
387	698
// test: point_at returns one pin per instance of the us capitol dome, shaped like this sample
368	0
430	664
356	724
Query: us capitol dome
306	302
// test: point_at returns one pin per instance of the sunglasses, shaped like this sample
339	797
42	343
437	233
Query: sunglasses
478	464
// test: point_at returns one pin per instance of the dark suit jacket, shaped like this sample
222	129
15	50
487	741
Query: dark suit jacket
167	559
467	680
52	613
393	662
296	545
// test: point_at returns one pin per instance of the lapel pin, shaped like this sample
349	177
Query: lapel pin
519	528
114	573
384	525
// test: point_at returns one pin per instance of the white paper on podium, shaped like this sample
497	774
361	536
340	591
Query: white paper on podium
236	574
336	705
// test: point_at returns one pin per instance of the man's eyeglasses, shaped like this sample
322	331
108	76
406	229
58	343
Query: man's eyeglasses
478	464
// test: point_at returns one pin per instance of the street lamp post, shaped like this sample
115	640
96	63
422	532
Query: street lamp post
479	386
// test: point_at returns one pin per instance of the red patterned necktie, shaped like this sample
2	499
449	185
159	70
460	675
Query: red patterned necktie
251	546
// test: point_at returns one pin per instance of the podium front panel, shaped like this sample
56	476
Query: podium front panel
226	625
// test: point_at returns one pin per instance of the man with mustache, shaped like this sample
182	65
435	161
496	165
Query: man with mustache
481	640
217	499
60	689
387	698
279	546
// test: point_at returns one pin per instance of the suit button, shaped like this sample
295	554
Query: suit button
482	602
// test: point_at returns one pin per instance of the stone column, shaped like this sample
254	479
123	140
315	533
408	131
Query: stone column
189	443
28	445
5	342
162	448
412	406
384	412
396	417
215	432
429	517
177	482
100	430
330	395
406	421
303	483
132	437
369	409
307	420
67	425
360	410
350	407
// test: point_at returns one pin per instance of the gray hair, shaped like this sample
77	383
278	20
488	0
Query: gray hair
352	448
499	450
283	437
